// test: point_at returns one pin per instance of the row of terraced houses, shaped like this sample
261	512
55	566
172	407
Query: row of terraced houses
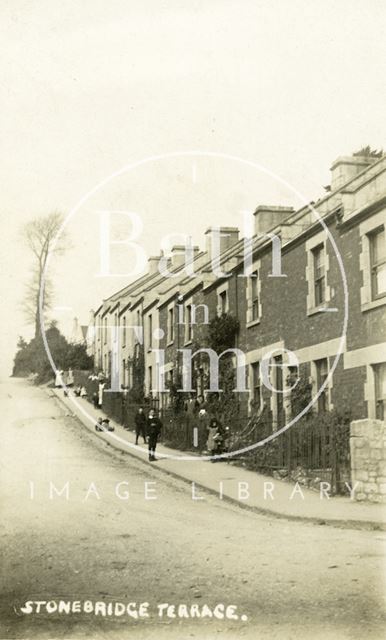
326	269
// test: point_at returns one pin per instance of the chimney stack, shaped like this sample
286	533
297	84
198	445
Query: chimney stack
153	265
225	236
178	255
345	168
267	217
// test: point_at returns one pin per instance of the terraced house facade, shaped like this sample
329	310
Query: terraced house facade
323	300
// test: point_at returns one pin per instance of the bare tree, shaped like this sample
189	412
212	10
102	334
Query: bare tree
40	235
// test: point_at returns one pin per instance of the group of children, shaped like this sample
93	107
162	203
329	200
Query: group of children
150	429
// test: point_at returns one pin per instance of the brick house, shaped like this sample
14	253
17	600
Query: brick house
332	259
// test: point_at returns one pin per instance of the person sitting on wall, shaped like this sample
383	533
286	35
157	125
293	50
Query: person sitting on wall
103	424
106	424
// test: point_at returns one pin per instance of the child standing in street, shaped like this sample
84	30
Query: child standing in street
154	427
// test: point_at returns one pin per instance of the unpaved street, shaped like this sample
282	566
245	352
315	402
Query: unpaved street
288	579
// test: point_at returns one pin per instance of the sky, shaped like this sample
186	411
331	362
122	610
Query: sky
88	88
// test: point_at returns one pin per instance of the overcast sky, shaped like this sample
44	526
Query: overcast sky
90	87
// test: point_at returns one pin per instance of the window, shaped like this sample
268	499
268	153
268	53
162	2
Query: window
319	292
378	263
188	325
105	329
321	367
372	261
291	382
150	379
169	380
278	393
124	331
380	390
124	373
319	275
116	327
256	387
150	332
255	295
170	324
253	291
222	299
223	302
129	367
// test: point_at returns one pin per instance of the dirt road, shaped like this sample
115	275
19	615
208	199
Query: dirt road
121	531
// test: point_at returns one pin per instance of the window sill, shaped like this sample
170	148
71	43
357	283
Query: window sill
379	302
170	343
253	323
187	343
314	310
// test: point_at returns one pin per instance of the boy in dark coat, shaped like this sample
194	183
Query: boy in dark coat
140	425
154	427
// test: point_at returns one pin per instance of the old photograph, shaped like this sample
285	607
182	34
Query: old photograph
193	343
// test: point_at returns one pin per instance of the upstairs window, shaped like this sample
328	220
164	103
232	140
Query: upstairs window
223	302
124	331
319	291
372	261
116	327
222	299
170	324
253	291
188	325
319	274
150	331
255	295
378	263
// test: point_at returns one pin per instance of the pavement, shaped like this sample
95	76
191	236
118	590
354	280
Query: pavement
231	482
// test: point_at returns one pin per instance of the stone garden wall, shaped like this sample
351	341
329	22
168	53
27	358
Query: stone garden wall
368	459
